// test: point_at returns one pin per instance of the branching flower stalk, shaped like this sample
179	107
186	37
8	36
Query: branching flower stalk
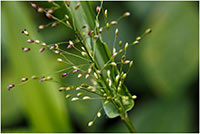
101	65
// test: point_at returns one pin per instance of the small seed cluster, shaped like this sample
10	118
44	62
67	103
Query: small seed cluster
106	84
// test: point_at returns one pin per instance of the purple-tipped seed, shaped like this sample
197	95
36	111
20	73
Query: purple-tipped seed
98	9
30	41
76	70
64	74
11	86
42	79
49	15
57	52
26	49
42	49
90	32
53	47
24	79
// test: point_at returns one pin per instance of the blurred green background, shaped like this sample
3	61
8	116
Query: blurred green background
164	76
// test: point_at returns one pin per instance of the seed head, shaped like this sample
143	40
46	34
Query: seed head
126	14
30	41
90	123
24	79
42	50
77	6
26	49
40	9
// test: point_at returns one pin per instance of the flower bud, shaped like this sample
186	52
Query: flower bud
66	16
25	32
60	60
134	97
90	123
67	2
50	1
42	50
52	47
114	50
48	15
114	55
135	42
120	51
116	31
124	76
95	36
75	99
138	38
113	22
106	13
68	24
148	31
98	9
41	27
96	76
126	14
11	86
77	6
79	94
107	25
49	78
30	41
24	79
26	49
44	44
84	26
40	9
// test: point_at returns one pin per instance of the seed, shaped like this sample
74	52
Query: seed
68	96
131	64
68	88
77	6
95	36
40	9
126	62
68	24
26	49
126	46
99	114
148	31
124	76
49	78
79	94
64	74
135	42
86	98
30	41
50	11
24	79
87	75
76	70
108	73
106	13
95	75
90	32
116	31
33	5
80	75
41	27
55	24
60	60
84	26
42	50
120	43
66	16
100	30
126	14
11	86
75	99
57	52
138	38
98	9
90	123
34	77
84	54
61	89
134	97
37	41
44	44
53	47
67	2
49	15
113	22
42	79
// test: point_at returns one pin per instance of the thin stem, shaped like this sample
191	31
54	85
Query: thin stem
128	123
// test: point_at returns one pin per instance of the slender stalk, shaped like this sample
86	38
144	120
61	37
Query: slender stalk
128	123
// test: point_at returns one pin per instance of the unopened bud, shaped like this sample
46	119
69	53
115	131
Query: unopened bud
126	62
48	15
30	41
37	41
68	96
84	54
100	30
79	94
66	16
33	5
90	32
87	75
95	36
108	73
131	64
11	86
124	76
117	78
64	74
113	64
50	11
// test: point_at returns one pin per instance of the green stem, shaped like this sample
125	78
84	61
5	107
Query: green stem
128	123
